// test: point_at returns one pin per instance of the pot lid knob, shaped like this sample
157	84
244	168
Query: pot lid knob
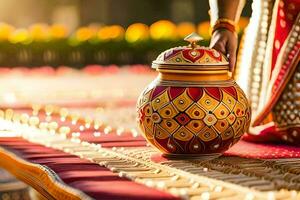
193	38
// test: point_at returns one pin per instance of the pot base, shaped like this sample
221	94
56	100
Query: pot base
192	156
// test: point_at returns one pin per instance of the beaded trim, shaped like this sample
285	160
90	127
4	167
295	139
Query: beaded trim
251	56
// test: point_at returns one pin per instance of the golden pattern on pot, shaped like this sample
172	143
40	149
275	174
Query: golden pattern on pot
183	56
193	120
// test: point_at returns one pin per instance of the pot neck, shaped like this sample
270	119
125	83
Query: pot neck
220	75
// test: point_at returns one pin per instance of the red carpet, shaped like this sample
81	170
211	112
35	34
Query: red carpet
94	180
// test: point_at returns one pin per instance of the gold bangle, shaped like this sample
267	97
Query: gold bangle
224	23
229	21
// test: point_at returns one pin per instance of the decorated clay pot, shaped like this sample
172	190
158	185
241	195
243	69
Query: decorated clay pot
193	108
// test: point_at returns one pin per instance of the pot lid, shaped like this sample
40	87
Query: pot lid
191	57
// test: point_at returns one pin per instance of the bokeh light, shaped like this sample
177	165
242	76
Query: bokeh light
114	32
58	31
20	36
137	32
163	30
39	31
84	33
5	31
185	28
204	29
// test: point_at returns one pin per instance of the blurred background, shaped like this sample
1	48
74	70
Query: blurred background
77	33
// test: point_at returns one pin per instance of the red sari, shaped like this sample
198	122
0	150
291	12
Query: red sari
272	71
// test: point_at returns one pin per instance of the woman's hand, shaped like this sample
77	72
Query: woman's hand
226	42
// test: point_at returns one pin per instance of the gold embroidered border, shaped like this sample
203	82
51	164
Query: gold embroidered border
38	177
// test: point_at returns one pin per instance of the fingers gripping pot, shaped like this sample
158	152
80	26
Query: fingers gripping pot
193	108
